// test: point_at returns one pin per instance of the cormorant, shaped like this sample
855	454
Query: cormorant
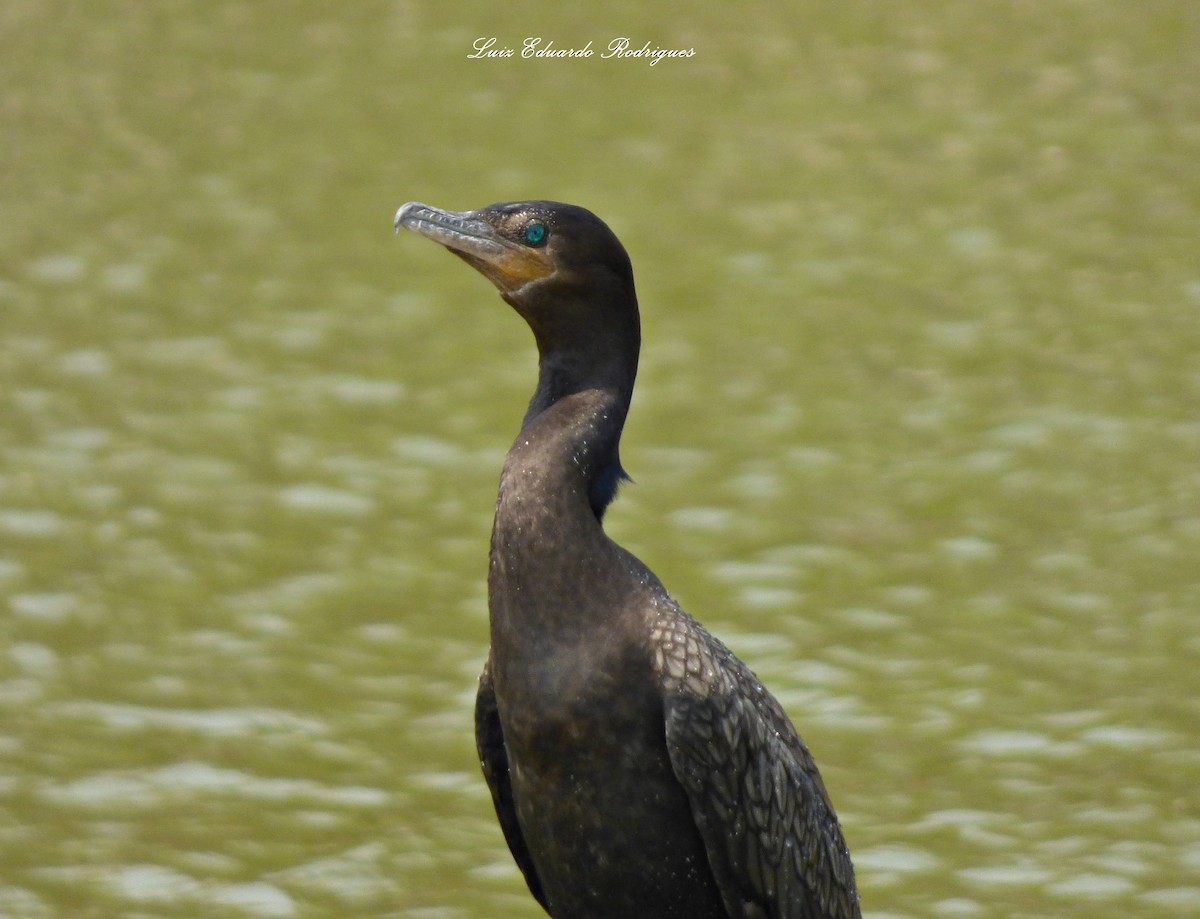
638	769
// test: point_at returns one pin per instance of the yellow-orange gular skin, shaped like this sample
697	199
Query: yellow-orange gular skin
492	248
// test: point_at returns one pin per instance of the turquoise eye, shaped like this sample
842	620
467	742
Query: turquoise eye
535	234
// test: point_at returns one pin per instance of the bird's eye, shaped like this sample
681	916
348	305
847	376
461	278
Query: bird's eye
535	234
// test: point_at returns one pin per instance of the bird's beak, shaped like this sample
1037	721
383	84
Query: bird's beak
507	264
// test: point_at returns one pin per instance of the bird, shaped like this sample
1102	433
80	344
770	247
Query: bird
637	767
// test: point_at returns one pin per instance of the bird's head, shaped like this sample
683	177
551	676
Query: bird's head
558	265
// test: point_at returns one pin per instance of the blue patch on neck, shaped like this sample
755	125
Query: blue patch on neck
604	487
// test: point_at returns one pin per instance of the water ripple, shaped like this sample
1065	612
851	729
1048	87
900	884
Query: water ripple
222	722
147	788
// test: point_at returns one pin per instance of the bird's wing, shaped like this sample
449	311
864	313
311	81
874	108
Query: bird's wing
772	837
493	757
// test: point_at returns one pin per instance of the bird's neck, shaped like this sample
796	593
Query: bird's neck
547	541
580	404
567	370
566	451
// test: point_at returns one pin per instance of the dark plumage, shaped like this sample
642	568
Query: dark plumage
639	770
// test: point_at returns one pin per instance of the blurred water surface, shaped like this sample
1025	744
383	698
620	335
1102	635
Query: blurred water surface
916	432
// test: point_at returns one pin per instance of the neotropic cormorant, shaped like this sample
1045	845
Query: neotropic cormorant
639	770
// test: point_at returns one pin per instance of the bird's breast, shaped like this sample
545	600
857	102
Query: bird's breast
594	790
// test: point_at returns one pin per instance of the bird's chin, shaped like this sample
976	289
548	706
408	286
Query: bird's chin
511	270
